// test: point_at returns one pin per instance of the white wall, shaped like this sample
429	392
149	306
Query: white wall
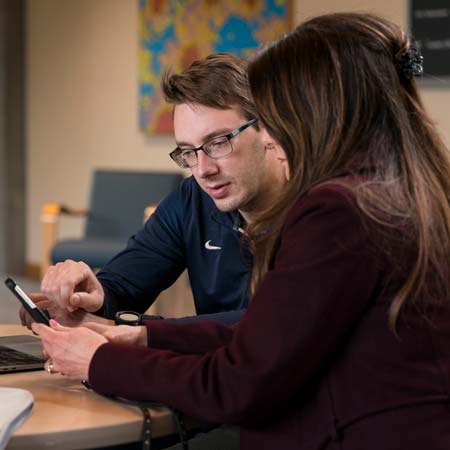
82	74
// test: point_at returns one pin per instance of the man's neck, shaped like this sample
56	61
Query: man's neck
248	217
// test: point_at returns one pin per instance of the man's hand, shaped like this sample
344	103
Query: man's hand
70	349
122	334
61	315
73	285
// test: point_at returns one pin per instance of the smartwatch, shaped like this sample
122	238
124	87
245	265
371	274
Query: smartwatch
128	318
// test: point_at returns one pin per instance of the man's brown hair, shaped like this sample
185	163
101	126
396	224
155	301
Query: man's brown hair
218	81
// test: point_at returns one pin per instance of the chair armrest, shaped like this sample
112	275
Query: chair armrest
50	214
51	211
148	211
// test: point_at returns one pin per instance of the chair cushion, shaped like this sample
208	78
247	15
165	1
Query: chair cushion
94	252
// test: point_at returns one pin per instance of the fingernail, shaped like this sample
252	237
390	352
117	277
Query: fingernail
75	300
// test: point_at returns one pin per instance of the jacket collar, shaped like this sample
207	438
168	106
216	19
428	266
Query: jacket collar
231	220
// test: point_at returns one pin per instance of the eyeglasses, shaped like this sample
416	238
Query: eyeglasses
215	148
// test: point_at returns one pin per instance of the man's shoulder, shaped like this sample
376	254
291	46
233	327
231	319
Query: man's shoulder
190	190
189	196
191	200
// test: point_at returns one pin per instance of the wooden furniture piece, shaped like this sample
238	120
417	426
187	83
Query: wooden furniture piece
68	416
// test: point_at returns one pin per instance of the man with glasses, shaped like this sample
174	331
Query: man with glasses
236	174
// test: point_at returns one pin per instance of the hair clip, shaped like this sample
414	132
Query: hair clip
409	63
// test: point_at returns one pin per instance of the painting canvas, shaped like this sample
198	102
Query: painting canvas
174	33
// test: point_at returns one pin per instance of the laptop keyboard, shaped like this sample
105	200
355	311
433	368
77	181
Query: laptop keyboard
9	357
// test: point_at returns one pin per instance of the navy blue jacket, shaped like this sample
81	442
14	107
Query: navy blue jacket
185	231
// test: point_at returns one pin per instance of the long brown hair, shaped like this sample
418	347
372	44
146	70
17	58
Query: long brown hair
333	92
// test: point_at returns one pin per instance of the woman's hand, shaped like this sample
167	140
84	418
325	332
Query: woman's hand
121	334
70	349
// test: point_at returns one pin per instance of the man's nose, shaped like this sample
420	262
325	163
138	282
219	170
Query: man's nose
206	166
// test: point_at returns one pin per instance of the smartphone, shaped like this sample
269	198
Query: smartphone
37	314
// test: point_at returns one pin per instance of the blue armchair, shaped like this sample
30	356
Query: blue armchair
116	211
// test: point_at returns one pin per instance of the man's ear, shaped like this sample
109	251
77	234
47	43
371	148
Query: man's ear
279	152
268	141
271	145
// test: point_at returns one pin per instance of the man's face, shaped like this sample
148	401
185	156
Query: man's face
249	178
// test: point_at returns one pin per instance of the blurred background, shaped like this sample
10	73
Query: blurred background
69	104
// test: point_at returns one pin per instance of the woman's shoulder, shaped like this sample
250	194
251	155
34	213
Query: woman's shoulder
332	196
323	220
339	189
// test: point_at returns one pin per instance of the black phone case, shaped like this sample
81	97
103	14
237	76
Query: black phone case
37	314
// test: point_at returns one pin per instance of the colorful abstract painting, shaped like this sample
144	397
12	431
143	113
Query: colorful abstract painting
174	33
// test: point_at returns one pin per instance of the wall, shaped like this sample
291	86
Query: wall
82	97
82	73
3	203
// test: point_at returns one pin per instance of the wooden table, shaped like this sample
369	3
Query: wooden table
68	416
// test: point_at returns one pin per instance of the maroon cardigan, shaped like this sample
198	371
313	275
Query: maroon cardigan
312	365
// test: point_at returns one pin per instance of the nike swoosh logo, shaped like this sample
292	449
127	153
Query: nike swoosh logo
208	246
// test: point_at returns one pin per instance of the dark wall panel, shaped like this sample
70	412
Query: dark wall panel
430	25
12	142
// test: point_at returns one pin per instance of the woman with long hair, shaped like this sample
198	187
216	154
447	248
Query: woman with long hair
346	343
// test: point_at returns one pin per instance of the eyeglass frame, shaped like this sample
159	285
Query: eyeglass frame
177	151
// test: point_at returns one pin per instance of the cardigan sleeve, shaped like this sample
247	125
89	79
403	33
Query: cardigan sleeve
188	337
323	278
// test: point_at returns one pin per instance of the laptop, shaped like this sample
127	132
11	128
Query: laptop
20	353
